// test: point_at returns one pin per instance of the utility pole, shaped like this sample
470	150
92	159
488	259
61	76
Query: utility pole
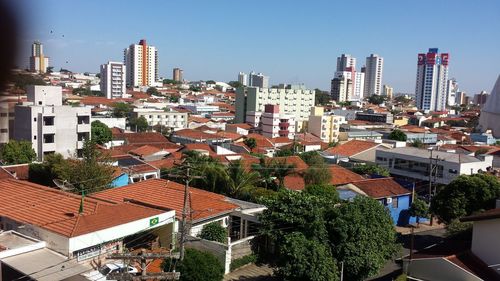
143	257
187	179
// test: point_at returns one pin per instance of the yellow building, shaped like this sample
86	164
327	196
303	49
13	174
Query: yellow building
326	127
400	121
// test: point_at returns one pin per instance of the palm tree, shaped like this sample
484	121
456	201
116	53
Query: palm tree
280	169
238	181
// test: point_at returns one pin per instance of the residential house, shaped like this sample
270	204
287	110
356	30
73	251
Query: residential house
354	151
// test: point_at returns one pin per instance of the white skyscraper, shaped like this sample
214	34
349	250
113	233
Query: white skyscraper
243	78
141	62
451	92
345	61
38	61
373	75
113	83
432	80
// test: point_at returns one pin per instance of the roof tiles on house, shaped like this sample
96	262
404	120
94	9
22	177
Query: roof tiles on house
341	175
381	187
351	148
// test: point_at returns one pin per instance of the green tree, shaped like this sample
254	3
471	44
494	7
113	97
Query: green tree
194	88
210	82
54	166
319	175
82	92
397	135
100	133
361	235
321	97
325	191
419	209
285	152
302	259
214	232
251	143
464	196
371	169
22	80
139	124
17	152
121	109
280	169
235	84
376	99
152	91
312	158
239	183
197	265
171	82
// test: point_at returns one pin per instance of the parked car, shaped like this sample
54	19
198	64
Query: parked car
105	270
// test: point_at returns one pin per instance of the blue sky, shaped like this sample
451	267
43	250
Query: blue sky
291	41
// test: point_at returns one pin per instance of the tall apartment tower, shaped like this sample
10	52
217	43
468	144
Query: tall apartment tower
432	80
451	92
373	75
345	61
177	74
342	87
113	83
141	62
38	61
388	91
243	78
259	80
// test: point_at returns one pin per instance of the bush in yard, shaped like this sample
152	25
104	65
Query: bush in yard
214	232
196	266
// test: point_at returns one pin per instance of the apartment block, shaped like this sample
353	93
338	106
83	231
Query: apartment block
432	80
141	61
113	83
38	61
273	123
326	127
291	101
49	125
171	119
415	163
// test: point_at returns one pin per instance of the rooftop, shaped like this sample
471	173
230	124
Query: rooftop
341	175
441	155
351	148
381	187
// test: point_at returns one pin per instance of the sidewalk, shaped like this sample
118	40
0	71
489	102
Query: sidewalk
424	226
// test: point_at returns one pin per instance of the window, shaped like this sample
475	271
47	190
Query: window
452	171
4	130
34	119
395	202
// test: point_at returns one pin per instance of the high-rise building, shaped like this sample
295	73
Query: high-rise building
461	98
243	78
38	61
292	101
177	74
272	123
49	125
451	92
481	98
325	127
345	61
141	63
342	86
373	75
258	80
388	92
432	80
113	83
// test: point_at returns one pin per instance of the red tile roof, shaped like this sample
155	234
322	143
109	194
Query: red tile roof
144	138
294	181
199	146
198	119
170	195
145	150
381	187
5	174
351	148
163	163
194	134
244	126
57	211
21	171
299	164
341	175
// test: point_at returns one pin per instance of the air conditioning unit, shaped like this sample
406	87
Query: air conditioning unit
388	200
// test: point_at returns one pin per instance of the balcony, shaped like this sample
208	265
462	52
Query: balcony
83	128
283	133
49	129
284	125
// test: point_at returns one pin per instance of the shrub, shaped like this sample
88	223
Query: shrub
237	263
214	232
197	265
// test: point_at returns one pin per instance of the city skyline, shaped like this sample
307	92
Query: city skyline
304	52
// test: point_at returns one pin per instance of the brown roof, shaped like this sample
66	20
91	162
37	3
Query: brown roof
144	138
198	119
244	126
166	163
294	181
381	187
486	215
341	175
260	140
57	211
194	134
299	164
145	150
351	148
170	195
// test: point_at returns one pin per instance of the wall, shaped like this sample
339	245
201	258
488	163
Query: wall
120	181
485	241
241	248
219	250
438	269
196	229
403	204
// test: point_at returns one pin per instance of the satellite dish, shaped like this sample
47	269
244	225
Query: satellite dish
63	185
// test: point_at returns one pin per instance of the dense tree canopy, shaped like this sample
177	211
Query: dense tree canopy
321	97
235	84
397	135
121	109
17	152
371	169
139	124
214	232
318	174
251	143
419	209
376	99
152	91
100	133
362	236
465	195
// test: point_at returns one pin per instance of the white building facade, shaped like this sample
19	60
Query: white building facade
113	80
38	61
296	102
432	80
373	75
141	62
171	119
50	126
243	78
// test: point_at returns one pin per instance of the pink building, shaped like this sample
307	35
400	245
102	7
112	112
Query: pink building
272	123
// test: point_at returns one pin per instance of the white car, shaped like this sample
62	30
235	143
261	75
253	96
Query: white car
105	270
